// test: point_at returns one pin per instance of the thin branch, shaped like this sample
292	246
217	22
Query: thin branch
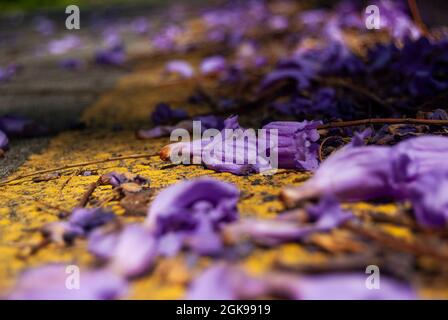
86	196
353	123
396	243
417	17
77	165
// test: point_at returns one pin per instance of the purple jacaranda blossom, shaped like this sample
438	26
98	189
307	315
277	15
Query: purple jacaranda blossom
350	174
134	252
437	114
323	217
297	144
90	218
415	157
213	65
116	179
82	221
328	287
166	39
50	282
240	152
62	232
129	252
192	212
14	125
4	141
111	56
64	45
224	281
428	197
180	67
164	114
301	69
394	19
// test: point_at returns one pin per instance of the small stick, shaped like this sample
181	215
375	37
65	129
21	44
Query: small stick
85	198
360	90
396	243
417	17
353	123
77	165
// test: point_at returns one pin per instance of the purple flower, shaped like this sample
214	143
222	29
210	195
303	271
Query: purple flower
62	232
297	144
224	282
50	282
428	195
20	126
89	219
4	141
350	174
129	252
415	157
81	222
228	282
324	217
193	212
116	179
180	67
213	65
134	252
111	56
328	287
164	114
64	45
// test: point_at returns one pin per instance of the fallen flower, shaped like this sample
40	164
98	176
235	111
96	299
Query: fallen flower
328	287
164	114
323	217
114	56
192	212
180	67
116	179
134	252
297	144
428	197
81	222
228	282
240	152
50	282
415	157
350	174
19	126
213	65
4	141
89	219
